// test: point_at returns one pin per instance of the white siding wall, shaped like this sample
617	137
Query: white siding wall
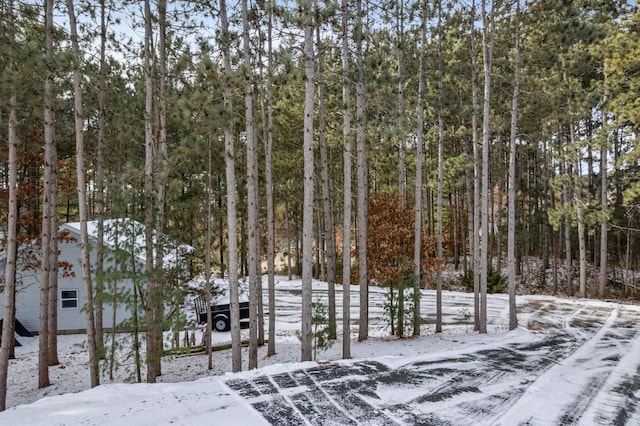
28	295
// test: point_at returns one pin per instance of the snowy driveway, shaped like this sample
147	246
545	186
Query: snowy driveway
583	369
571	362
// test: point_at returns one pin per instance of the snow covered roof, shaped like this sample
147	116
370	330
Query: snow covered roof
129	235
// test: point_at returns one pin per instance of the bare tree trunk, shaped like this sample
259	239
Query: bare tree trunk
511	226
207	262
469	181
363	324
476	174
94	373
136	322
160	178
259	282
49	141
497	214
52	335
582	248
114	301
548	246
306	337
153	329
454	208
402	168
439	203
487	54
329	228
346	214
288	231
53	262
578	205
602	283
417	236
232	227
100	184
12	221
567	236
252	183
221	246
298	265
271	237
318	261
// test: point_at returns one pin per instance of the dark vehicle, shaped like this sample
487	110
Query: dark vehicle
220	313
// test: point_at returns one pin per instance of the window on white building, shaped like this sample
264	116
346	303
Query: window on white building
69	298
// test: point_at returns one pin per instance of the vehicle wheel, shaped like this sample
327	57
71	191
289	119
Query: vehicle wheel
221	323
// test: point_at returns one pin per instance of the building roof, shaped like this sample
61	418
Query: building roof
129	235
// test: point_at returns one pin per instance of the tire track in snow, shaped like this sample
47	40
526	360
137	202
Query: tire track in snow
616	403
503	384
324	395
584	373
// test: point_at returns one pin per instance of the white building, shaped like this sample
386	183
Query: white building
124	264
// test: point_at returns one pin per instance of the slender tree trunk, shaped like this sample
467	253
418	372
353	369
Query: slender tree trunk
271	237
288	231
114	301
329	228
578	206
487	54
136	322
497	215
476	174
469	181
160	179
53	279
53	255
100	184
258	254
8	324
363	324
402	168
153	329
307	216
567	236
602	283
548	246
232	227
318	261
439	204
49	141
298	266
453	206
417	236
582	248
243	240
511	226
94	373
221	245
252	199
346	214
207	261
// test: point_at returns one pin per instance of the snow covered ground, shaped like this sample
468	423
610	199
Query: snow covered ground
570	362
